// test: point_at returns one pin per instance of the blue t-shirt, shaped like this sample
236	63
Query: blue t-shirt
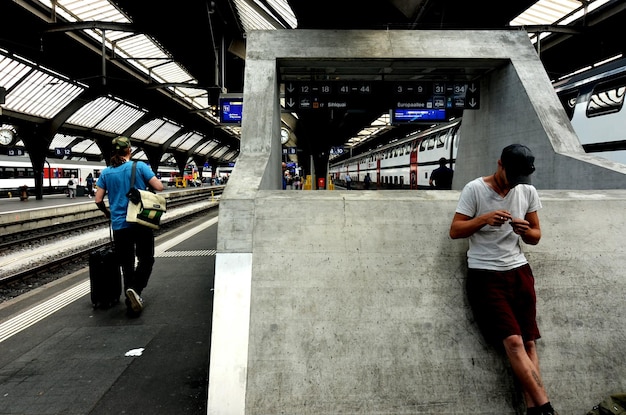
116	182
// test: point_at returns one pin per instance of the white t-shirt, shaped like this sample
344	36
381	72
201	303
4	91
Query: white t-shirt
496	248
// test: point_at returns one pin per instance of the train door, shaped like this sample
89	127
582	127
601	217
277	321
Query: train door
413	166
378	184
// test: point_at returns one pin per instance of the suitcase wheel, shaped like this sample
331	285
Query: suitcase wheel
105	305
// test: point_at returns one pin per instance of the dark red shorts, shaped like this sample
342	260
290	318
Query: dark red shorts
504	303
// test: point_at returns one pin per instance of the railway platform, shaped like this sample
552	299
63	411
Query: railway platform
11	204
61	356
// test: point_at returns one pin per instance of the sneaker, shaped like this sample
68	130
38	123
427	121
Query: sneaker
136	302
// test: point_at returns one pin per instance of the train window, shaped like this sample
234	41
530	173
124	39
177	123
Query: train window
568	100
441	139
607	98
67	173
423	144
431	143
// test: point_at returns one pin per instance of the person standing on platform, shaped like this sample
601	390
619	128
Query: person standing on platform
366	181
496	213
441	177
348	181
130	238
89	185
71	187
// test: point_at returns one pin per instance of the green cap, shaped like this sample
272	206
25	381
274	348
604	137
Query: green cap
121	142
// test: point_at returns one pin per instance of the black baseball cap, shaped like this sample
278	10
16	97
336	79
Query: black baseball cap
519	163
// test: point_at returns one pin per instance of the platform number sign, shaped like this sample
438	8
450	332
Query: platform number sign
15	151
62	151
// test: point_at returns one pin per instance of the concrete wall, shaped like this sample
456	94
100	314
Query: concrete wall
353	302
357	305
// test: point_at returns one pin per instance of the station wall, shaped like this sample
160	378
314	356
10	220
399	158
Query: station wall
327	302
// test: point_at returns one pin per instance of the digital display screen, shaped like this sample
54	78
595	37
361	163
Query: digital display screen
408	115
231	109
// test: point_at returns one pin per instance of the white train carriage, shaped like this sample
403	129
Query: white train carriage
403	164
594	102
17	171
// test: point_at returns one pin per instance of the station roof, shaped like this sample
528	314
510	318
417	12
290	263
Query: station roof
89	69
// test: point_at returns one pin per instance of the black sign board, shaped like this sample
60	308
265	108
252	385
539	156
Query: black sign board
334	151
472	96
327	95
14	151
321	95
62	151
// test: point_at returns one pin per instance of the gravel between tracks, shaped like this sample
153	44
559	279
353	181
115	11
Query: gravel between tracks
48	252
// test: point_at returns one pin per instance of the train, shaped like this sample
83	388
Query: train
594	103
17	172
404	164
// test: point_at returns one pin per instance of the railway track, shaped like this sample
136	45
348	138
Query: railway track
37	272
15	234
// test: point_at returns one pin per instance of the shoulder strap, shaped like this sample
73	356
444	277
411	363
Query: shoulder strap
132	175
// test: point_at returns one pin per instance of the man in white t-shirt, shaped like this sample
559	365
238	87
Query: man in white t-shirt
71	187
497	212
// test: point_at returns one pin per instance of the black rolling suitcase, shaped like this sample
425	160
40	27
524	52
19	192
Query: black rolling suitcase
105	276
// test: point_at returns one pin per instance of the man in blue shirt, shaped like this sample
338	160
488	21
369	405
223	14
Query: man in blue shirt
130	238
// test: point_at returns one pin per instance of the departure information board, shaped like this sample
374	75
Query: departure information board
407	100
231	109
328	95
